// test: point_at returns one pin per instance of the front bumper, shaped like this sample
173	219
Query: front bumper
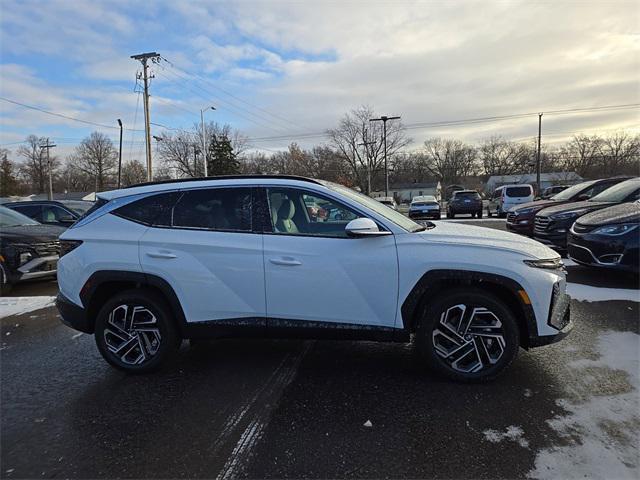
559	317
520	224
73	315
605	252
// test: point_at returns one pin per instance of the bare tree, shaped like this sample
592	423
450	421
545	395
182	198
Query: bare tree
34	167
133	172
365	162
502	157
620	153
449	160
96	157
581	154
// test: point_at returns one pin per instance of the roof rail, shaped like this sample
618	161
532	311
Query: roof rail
224	177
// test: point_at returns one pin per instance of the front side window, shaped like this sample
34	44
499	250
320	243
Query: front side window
226	209
299	212
53	214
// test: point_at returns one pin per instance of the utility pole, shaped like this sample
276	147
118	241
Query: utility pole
366	153
49	146
204	140
120	155
538	153
384	119
143	58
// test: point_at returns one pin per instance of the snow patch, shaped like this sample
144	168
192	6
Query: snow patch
602	433
20	305
588	293
513	433
569	263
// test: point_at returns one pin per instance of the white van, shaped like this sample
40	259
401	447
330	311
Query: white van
508	196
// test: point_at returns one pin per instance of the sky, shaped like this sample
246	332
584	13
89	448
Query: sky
287	71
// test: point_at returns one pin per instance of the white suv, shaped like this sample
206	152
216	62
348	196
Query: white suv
244	256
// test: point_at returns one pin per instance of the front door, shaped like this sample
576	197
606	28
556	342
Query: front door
315	272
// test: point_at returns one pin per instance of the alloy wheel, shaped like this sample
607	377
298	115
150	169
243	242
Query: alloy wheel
132	334
469	338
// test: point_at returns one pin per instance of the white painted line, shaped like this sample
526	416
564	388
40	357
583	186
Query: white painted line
77	335
237	461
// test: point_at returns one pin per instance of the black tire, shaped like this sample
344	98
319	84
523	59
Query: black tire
489	214
479	214
427	335
5	286
158	352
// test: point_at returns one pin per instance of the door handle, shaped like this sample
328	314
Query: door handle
161	255
286	261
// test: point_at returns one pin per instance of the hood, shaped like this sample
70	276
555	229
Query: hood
566	207
536	204
623	213
459	234
30	233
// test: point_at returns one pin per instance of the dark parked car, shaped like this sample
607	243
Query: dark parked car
28	249
608	238
465	201
520	219
553	223
50	212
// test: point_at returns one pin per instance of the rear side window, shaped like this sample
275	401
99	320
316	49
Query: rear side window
153	210
31	211
524	191
226	209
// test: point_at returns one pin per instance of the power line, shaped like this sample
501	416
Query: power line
38	109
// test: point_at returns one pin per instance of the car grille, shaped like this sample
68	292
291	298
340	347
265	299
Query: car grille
541	224
47	249
579	228
511	217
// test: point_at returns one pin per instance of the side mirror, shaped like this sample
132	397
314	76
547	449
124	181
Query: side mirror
67	219
363	227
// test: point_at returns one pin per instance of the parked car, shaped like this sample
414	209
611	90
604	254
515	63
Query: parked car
520	218
506	197
28	249
552	224
424	206
239	256
464	202
388	201
50	212
551	191
608	238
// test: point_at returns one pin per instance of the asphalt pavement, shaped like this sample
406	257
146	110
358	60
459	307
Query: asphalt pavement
317	409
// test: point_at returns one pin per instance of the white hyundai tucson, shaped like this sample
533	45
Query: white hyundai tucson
292	257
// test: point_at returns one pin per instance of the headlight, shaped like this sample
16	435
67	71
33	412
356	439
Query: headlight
546	263
569	214
619	229
523	211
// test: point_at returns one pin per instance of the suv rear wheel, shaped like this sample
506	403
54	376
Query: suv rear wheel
135	332
468	335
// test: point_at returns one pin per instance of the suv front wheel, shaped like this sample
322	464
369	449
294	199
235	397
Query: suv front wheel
135	332
468	335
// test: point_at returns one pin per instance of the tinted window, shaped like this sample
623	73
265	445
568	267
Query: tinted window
153	210
31	211
9	218
299	212
524	191
466	195
53	214
214	209
618	193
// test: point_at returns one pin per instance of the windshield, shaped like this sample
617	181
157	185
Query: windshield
571	191
382	210
618	193
10	218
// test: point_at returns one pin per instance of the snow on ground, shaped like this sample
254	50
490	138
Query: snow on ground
602	428
20	305
588	293
513	433
469	219
569	263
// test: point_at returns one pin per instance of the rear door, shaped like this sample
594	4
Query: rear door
516	195
317	274
205	248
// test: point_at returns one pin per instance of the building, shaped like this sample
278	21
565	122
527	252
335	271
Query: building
546	180
404	192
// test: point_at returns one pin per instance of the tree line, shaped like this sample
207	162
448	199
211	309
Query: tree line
351	155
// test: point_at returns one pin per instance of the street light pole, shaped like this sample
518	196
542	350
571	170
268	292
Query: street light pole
538	153
120	155
384	119
204	140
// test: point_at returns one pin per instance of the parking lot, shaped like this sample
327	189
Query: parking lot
322	409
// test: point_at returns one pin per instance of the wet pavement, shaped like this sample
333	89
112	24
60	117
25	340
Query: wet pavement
309	409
